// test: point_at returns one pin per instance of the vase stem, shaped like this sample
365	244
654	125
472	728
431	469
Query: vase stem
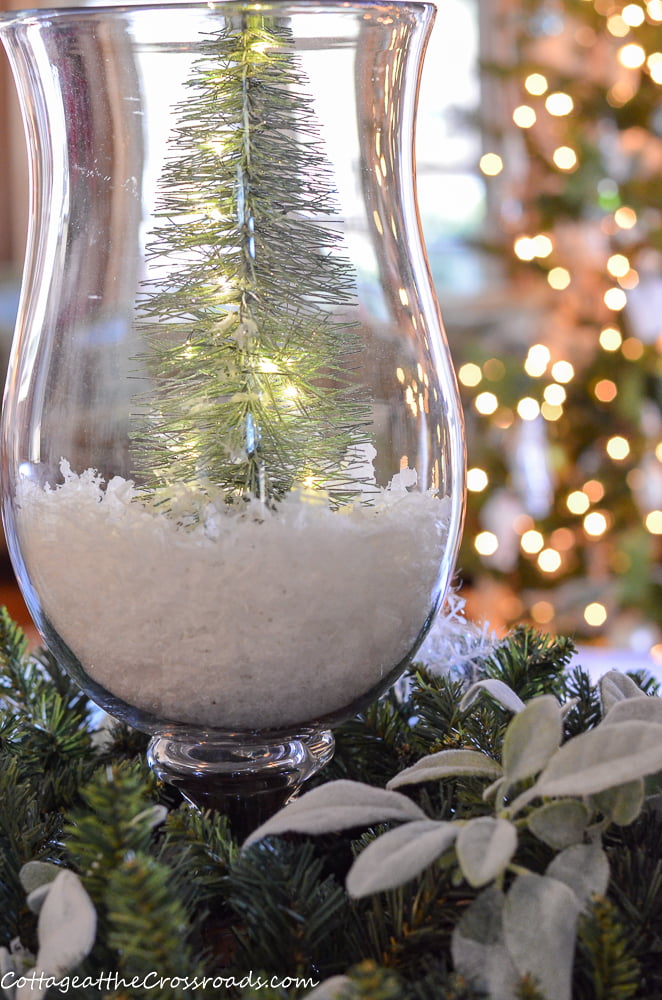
246	780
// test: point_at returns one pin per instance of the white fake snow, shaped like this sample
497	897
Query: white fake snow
236	623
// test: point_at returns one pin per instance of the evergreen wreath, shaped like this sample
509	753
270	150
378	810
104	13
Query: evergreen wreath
102	870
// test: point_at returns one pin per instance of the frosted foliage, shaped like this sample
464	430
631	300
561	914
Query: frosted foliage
238	621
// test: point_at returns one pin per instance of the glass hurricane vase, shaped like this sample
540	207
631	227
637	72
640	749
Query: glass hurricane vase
232	445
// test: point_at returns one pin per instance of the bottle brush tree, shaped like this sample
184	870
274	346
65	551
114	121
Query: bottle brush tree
247	312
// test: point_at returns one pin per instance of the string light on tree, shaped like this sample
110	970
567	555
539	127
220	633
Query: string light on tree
584	241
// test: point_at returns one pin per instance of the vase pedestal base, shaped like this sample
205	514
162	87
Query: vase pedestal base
246	780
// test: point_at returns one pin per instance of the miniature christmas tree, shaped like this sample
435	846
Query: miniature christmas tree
251	396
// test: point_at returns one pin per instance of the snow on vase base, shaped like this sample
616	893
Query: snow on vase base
243	622
228	363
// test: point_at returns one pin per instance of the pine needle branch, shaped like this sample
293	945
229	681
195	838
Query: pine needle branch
603	945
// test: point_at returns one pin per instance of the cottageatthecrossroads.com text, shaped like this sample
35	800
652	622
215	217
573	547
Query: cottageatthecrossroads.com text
113	981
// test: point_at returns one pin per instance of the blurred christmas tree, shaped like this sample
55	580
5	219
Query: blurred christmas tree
565	434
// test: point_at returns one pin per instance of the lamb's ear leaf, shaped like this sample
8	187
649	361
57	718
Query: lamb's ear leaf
397	856
67	925
335	988
484	847
532	736
615	686
499	691
448	764
584	868
478	950
601	758
34	874
537	909
644	709
623	803
338	805
560	823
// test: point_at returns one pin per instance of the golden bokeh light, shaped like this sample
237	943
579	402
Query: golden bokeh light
549	561
654	64
528	408
610	338
618	265
631	56
615	299
595	524
559	278
486	403
653	522
633	15
470	374
524	116
618	447
542	245
625	217
577	502
595	614
554	394
616	26
491	164
524	248
486	543
551	412
536	84
477	480
563	371
559	104
565	158
532	541
537	360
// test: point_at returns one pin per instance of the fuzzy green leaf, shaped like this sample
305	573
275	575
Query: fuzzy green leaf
399	855
621	804
484	848
67	925
615	686
531	738
644	709
335	988
602	758
560	823
338	805
584	868
539	921
478	950
34	874
497	690
448	764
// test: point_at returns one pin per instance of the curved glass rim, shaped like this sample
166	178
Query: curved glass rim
102	9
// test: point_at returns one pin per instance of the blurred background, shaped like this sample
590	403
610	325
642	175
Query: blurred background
539	153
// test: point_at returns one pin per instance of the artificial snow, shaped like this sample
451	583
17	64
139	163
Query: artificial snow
242	621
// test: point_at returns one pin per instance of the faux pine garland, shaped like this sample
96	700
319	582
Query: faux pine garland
105	877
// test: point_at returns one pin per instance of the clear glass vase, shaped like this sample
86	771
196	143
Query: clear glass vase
232	444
